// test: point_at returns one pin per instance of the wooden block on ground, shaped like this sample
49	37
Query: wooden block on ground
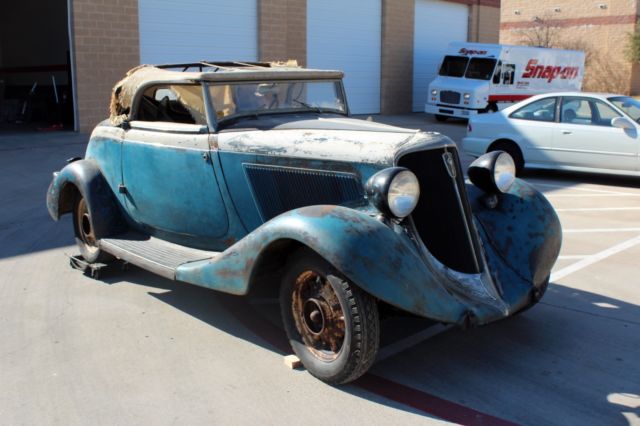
292	362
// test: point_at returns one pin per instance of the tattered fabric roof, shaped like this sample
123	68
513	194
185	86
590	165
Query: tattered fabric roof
124	91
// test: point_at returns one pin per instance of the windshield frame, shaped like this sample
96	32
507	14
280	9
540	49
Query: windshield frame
613	99
216	122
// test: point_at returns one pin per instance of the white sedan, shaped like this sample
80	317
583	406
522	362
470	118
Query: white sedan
564	131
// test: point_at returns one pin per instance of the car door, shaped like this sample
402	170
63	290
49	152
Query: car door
170	186
532	127
585	138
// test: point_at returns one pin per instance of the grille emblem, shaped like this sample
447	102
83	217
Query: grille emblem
449	164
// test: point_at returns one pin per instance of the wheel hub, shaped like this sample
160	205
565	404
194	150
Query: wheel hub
84	227
313	316
318	315
86	224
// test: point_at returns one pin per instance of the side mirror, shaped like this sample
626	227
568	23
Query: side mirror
622	123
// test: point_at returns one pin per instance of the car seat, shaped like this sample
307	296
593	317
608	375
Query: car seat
569	116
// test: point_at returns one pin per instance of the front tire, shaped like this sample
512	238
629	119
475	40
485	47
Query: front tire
85	235
332	325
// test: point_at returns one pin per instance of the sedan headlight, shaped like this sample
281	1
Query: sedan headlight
434	92
467	96
394	191
493	172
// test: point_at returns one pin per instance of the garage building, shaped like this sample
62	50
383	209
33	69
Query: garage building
388	49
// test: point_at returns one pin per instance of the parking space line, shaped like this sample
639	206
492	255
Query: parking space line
622	194
590	260
410	341
598	230
598	209
577	188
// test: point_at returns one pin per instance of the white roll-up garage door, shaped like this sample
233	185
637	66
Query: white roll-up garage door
437	23
345	35
192	30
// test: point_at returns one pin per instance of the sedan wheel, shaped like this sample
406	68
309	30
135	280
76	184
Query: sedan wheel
514	151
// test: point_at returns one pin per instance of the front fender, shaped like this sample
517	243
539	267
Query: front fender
382	262
85	177
522	238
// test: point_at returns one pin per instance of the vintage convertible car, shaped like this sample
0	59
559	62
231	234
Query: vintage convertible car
246	176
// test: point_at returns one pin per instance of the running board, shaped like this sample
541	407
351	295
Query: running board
153	254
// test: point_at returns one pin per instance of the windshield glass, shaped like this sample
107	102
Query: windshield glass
629	106
272	97
480	68
453	66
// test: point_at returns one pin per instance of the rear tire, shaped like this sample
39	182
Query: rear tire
332	325
514	151
441	118
84	232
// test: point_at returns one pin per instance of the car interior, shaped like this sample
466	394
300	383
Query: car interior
586	111
174	104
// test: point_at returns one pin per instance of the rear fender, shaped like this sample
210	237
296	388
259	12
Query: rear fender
382	262
85	178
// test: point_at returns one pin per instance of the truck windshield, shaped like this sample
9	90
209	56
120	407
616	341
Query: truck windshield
480	68
630	106
453	66
235	100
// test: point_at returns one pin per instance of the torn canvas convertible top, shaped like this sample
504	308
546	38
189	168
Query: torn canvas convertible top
124	91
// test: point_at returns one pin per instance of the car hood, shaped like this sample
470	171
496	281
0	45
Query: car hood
347	140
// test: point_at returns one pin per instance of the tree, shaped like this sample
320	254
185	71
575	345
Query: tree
543	34
633	48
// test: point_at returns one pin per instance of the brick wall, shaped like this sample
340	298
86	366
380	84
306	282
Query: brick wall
282	30
484	23
106	42
396	65
601	32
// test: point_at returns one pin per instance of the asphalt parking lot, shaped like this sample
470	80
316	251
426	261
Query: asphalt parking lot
134	348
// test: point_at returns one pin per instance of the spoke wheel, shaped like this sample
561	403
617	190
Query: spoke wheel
332	324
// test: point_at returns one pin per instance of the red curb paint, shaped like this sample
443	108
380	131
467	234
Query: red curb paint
419	400
427	403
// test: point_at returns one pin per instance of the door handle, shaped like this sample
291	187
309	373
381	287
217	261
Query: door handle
566	132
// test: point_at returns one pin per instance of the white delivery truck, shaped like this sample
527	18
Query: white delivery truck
475	78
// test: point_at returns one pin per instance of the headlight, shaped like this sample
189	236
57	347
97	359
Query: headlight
434	92
394	191
467	96
493	172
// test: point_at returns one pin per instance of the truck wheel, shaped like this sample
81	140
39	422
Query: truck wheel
85	236
491	108
514	151
332	325
441	118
